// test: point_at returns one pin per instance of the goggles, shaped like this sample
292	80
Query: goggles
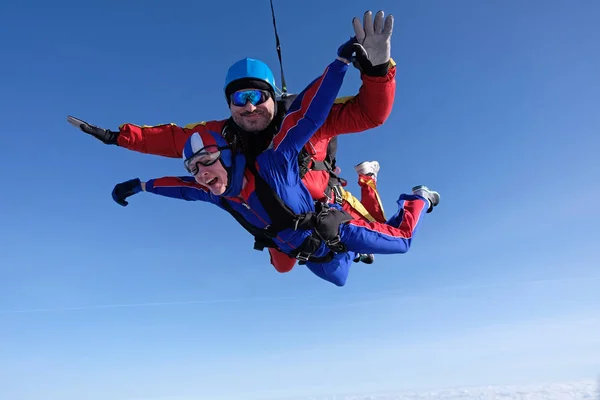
254	96
205	156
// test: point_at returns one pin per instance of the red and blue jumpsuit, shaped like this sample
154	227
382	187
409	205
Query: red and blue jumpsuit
368	109
278	166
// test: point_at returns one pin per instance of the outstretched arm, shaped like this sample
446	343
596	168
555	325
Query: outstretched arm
183	188
369	109
310	109
164	140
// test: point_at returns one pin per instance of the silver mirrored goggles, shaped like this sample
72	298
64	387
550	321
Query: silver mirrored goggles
206	156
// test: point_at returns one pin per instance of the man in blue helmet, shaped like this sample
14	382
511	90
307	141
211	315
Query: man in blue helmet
267	196
254	121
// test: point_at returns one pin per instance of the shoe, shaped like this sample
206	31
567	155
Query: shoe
369	168
430	195
365	258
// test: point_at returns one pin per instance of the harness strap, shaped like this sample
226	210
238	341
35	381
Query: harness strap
338	194
261	238
325	224
281	216
320	166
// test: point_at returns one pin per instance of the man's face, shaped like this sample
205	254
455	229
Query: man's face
253	118
213	177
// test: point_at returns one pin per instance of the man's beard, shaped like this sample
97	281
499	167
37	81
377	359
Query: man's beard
255	142
254	126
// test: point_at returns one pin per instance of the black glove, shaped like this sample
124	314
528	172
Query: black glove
125	189
373	48
347	49
104	135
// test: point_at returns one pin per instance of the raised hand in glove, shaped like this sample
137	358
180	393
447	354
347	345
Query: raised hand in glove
373	50
125	189
104	135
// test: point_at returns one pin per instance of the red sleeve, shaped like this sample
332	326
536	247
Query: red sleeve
163	140
368	109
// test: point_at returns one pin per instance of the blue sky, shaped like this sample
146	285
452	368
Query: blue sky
496	108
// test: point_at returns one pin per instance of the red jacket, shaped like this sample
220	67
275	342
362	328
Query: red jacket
368	109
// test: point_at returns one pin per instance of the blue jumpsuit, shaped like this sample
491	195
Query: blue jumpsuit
278	166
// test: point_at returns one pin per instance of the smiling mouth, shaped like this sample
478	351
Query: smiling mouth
212	181
251	114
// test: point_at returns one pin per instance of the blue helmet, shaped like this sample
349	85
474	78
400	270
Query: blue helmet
249	73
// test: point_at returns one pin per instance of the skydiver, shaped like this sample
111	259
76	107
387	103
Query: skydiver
268	197
253	124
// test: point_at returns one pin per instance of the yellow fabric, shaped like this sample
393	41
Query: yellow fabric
343	100
357	205
190	126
